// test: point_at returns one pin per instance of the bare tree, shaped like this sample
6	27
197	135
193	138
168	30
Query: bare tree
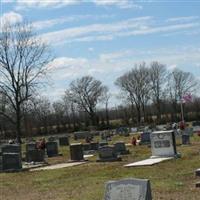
179	84
86	92
135	84
158	75
23	64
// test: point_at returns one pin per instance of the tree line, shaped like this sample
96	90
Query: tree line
148	93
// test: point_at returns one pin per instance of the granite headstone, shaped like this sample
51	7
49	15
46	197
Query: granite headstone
128	189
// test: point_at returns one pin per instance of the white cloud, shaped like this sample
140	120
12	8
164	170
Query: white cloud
97	31
109	31
183	19
61	20
22	4
65	67
124	4
11	18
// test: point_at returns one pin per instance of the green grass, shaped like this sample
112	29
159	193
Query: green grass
170	180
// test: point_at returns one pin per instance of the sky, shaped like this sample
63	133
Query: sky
106	38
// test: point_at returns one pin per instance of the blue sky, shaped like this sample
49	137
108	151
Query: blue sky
105	38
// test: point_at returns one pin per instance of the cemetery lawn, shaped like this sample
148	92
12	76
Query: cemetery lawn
170	180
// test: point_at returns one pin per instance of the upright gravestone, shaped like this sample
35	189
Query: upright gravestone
52	149
145	138
11	157
31	146
94	146
11	148
186	136
108	154
64	141
128	189
36	155
76	152
11	162
33	154
120	148
163	144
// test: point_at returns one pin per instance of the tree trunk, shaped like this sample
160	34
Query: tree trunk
107	116
138	115
132	112
93	119
158	111
18	124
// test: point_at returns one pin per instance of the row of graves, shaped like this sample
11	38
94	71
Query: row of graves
11	154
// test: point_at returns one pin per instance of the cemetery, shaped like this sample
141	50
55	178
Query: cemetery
99	100
108	173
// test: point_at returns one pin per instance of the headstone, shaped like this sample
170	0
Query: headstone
11	148
134	129
123	131
11	162
107	153
36	155
94	146
128	189
197	172
86	147
52	149
163	144
145	138
186	136
120	148
185	139
76	152
103	143
30	147
64	141
82	135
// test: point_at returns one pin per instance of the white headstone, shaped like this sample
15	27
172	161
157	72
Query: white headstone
163	143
